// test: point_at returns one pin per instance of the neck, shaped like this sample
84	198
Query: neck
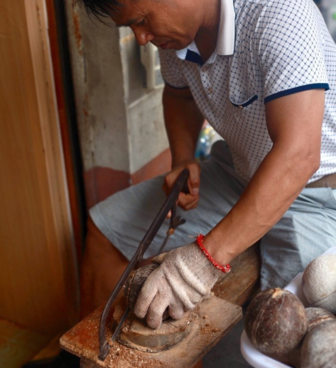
206	37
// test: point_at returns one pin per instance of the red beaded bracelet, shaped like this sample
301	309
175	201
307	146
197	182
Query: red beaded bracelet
224	269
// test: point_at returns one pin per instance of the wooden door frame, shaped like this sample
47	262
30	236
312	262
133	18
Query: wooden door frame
40	278
63	227
62	76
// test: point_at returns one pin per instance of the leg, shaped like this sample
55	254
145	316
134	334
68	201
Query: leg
306	230
101	268
125	217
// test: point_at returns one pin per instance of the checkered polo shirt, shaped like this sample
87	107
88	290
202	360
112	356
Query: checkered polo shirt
279	47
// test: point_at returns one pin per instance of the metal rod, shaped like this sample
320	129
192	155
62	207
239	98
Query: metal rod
123	319
171	200
175	221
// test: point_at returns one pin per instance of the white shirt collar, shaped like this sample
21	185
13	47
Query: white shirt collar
226	33
227	29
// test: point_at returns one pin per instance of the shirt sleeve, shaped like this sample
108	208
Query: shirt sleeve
290	48
171	69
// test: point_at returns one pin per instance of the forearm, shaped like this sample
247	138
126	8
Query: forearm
294	123
183	122
278	181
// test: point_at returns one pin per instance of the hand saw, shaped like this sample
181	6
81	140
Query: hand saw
169	205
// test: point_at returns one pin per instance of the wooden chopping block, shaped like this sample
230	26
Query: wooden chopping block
214	318
242	283
236	287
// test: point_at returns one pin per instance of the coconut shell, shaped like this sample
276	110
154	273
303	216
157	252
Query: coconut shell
134	284
276	322
319	347
316	316
319	282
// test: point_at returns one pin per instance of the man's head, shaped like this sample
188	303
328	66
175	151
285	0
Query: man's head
171	24
100	8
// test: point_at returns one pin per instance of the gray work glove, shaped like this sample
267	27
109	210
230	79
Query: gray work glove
184	278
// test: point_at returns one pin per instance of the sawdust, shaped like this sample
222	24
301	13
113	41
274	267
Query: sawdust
119	354
208	329
205	329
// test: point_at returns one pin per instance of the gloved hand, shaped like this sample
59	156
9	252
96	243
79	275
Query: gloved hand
183	279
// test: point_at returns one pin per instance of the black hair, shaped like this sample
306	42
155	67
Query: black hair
100	8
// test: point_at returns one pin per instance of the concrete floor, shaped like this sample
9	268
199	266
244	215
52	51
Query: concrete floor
226	354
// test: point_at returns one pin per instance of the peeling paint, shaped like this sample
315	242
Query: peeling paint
77	32
86	105
113	107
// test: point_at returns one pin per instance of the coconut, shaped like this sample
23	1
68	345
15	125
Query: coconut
319	347
316	316
276	322
319	282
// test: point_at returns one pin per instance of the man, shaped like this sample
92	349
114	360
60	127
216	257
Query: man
262	72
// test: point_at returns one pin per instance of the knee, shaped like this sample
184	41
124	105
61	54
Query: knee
95	239
95	242
98	246
93	232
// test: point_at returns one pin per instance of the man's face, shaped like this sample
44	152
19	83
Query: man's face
168	24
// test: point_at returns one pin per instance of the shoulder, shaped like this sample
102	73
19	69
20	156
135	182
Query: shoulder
268	10
276	20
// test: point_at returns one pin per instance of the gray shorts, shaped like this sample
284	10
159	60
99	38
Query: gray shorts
306	230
